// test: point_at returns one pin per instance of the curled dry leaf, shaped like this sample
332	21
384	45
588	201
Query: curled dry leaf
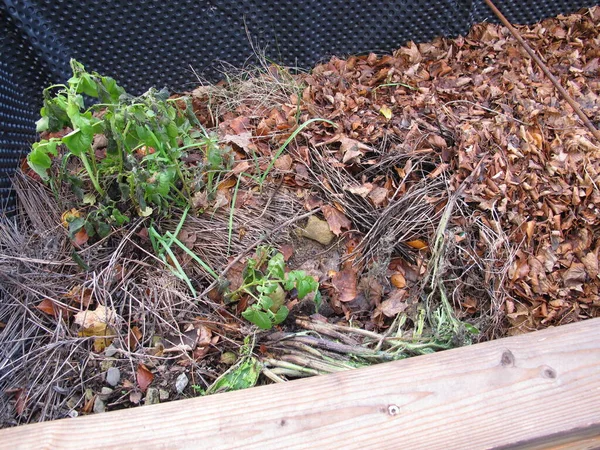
100	323
378	195
284	163
398	280
336	220
79	296
80	238
242	140
417	244
287	251
51	308
394	304
344	283
20	398
144	377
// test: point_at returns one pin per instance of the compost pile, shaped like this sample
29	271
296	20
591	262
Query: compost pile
296	224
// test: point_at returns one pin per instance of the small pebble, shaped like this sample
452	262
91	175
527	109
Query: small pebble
99	406
181	382
105	393
163	394
152	396
113	376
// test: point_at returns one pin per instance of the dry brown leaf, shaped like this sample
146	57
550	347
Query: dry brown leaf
336	220
287	251
227	184
575	275
135	397
80	238
144	377
20	398
240	124
242	140
378	195
220	199
52	309
80	296
394	304
284	163
200	200
417	244
363	190
398	280
344	283
590	261
134	338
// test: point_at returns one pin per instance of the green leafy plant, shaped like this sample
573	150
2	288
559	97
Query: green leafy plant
141	169
267	283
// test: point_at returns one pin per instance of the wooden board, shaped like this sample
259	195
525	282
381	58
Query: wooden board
540	390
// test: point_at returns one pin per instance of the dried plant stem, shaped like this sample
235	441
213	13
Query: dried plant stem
263	239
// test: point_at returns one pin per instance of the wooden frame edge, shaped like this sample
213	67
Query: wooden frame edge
539	390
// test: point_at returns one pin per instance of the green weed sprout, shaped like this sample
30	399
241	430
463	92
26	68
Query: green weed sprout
266	282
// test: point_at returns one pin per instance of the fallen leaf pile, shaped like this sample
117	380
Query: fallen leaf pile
479	102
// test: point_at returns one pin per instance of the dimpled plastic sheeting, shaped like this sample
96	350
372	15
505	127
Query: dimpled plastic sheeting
158	43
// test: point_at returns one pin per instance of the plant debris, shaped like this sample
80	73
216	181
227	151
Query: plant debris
279	225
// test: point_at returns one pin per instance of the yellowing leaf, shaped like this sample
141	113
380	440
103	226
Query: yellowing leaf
68	217
145	212
417	244
100	324
398	280
386	112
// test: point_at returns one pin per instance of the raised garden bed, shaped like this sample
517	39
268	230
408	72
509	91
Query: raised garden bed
279	225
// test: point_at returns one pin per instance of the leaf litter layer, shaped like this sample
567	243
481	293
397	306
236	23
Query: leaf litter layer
440	195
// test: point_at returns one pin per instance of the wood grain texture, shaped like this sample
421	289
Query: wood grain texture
540	389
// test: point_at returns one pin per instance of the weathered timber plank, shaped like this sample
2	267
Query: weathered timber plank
540	390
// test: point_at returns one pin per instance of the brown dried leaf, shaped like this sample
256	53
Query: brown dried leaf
590	261
417	244
394	304
336	219
398	280
80	238
363	190
284	162
318	230
287	251
242	140
144	377
344	283
52	309
575	275
378	195
100	324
